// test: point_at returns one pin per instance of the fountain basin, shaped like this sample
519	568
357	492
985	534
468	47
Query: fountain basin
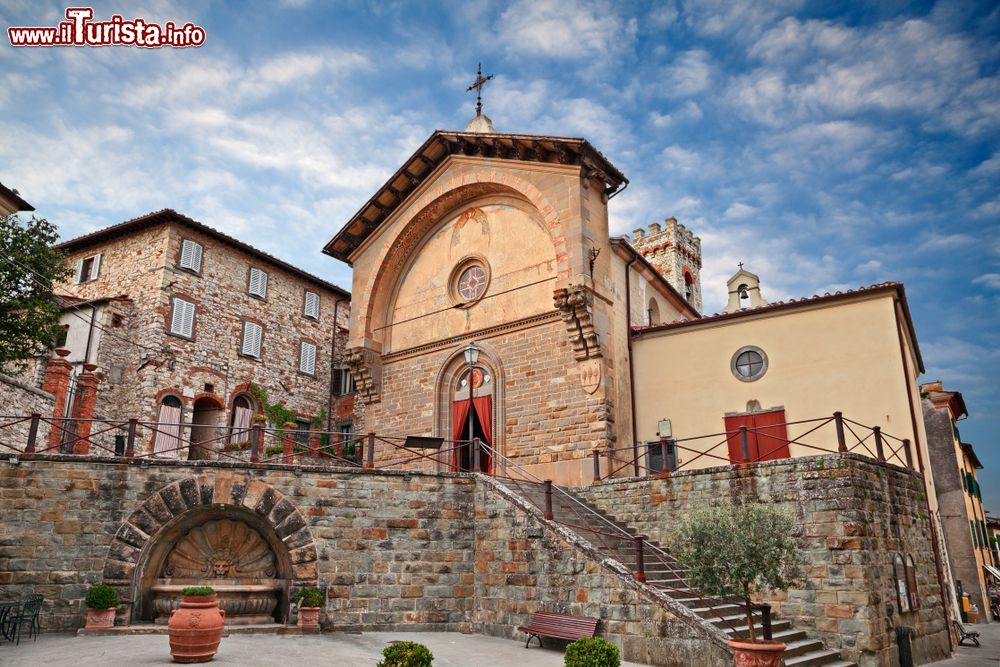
244	603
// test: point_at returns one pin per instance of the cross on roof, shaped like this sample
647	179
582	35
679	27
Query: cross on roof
477	85
741	265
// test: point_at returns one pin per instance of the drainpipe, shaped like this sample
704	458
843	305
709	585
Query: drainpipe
334	362
90	333
631	367
920	462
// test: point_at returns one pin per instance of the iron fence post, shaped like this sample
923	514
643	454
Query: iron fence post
255	443
597	465
909	454
765	614
838	418
611	460
476	444
32	433
133	424
548	499
370	454
745	444
640	563
879	451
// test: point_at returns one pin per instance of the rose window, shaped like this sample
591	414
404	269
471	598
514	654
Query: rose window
472	283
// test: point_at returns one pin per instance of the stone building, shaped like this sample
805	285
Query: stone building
954	464
181	320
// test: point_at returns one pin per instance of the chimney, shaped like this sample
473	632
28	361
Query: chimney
637	234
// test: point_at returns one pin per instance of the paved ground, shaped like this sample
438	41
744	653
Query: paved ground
343	650
988	655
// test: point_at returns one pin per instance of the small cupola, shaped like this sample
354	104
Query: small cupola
744	291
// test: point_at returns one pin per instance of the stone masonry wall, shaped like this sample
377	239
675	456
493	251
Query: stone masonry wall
19	399
525	565
389	549
854	515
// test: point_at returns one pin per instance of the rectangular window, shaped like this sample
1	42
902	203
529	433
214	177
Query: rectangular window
343	383
253	333
87	269
190	255
182	318
310	306
307	358
258	283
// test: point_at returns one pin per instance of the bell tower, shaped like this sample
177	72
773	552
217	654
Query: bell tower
676	253
744	291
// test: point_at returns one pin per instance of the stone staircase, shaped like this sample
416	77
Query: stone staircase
615	540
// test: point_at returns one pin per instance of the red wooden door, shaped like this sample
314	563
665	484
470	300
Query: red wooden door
767	437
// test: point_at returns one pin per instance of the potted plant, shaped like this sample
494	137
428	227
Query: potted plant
406	654
101	601
737	551
309	601
195	629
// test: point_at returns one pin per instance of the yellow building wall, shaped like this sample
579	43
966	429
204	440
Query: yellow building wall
837	356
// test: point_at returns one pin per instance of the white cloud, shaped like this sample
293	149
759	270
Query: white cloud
689	75
564	29
990	280
676	158
738	211
871	266
990	167
938	241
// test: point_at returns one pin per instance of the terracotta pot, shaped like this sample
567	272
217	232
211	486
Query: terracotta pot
309	617
100	618
760	653
196	628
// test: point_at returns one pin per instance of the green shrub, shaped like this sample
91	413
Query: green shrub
101	596
592	652
198	590
308	597
406	654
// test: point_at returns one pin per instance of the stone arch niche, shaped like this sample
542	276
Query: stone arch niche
230	531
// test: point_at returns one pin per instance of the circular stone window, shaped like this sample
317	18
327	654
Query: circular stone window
469	281
749	363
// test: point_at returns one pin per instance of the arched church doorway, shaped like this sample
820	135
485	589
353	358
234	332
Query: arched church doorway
204	423
470	421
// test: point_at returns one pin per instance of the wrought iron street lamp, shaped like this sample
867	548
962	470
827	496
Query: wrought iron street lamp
471	357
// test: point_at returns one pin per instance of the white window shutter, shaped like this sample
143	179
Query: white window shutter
95	268
307	358
258	283
79	272
182	318
312	305
251	339
196	257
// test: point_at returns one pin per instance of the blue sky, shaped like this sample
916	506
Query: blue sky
827	145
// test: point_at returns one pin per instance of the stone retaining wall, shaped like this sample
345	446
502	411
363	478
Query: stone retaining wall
854	515
21	399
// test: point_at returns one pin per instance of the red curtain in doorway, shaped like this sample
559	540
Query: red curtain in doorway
484	410
459	415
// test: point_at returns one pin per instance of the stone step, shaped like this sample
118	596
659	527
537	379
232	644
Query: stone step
801	647
813	658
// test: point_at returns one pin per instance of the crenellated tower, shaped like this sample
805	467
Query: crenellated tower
676	253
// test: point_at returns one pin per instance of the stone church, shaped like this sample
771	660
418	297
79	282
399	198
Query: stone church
503	240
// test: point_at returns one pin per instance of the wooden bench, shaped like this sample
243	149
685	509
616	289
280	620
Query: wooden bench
964	633
559	626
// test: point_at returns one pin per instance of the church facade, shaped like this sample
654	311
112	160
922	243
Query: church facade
501	240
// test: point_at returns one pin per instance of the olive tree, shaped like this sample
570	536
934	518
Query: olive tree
738	550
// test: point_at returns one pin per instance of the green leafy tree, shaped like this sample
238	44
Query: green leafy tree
29	267
738	550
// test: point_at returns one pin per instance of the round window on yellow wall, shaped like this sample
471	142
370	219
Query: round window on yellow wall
469	281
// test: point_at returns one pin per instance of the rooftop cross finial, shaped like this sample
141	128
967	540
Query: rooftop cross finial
741	265
478	87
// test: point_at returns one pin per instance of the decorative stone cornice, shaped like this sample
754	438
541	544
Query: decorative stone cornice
576	307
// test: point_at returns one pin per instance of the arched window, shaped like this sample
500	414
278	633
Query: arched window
169	421
240	419
653	312
688	286
902	587
911	583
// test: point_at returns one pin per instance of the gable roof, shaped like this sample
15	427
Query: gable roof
12	195
791	304
441	144
170	215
